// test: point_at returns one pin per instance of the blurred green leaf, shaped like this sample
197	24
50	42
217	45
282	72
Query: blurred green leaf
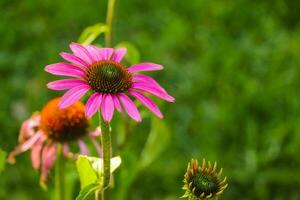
133	55
86	172
88	192
90	33
156	142
2	160
90	169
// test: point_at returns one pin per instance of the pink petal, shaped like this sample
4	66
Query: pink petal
147	102
107	107
153	90
97	146
147	80
95	52
117	103
145	67
83	148
130	108
95	133
23	147
28	128
73	95
73	59
65	84
81	52
93	104
36	153
65	69
66	150
119	54
106	53
48	158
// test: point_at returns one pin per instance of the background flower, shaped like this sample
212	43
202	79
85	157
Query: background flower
43	132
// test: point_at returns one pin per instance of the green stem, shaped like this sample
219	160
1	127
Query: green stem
59	174
106	151
109	22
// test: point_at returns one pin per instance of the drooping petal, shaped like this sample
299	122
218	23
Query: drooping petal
107	107
147	80
117	103
65	69
23	147
129	107
48	158
83	148
65	84
81	52
73	59
95	133
147	66
147	102
73	95
93	104
97	146
119	54
153	90
106	53
28	128
36	153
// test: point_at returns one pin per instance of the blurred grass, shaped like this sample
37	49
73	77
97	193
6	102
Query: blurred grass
233	67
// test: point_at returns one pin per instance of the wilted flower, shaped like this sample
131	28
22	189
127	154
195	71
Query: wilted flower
100	70
44	131
203	182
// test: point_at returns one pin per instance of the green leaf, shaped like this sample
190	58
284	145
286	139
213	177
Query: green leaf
157	141
2	160
88	192
90	33
90	169
87	174
97	164
133	55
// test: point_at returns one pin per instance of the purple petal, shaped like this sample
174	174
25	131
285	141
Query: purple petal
65	84
83	148
130	108
148	80
73	95
145	67
73	59
48	158
65	69
153	90
147	102
119	54
36	153
81	52
93	104
28	128
117	103
66	150
107	107
106	53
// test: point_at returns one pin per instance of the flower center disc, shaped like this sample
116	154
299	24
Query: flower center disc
108	77
63	124
204	183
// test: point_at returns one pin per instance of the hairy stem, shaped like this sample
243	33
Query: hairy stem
59	174
109	22
106	149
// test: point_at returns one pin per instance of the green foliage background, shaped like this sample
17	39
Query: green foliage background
233	66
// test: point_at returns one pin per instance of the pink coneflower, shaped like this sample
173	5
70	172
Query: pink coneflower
100	70
43	132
